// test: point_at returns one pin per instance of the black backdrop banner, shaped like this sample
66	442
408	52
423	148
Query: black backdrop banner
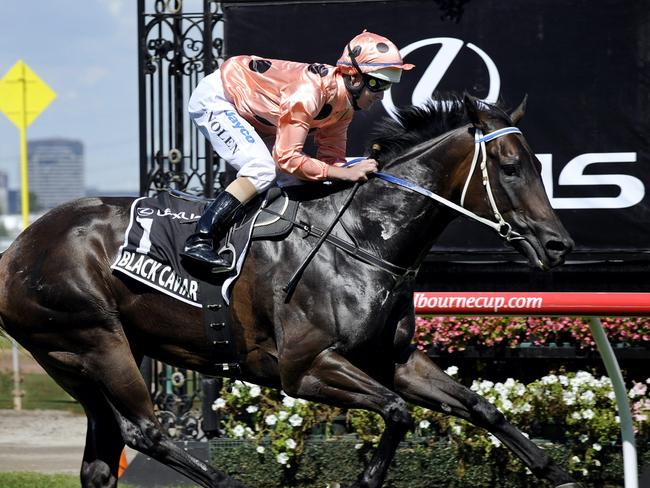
585	66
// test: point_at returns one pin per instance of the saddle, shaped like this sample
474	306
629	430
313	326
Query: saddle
157	230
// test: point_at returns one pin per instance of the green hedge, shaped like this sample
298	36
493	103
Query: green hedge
416	465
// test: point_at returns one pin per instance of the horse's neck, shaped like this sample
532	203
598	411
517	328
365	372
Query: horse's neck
400	225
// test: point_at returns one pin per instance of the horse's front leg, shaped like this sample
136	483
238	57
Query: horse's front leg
420	381
334	380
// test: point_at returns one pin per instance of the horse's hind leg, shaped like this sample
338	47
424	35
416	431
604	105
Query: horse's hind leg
106	380
111	365
104	442
420	381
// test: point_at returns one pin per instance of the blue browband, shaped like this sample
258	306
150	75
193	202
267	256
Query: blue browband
499	133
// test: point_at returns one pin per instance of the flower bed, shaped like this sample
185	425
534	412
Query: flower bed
572	410
452	334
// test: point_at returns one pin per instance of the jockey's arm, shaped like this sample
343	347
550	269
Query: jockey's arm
293	128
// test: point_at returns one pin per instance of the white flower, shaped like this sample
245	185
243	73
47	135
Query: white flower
283	415
235	392
255	391
288	402
457	429
576	416
611	395
218	403
291	444
252	408
569	397
596	462
520	389
549	380
506	406
452	370
588	396
584	438
588	414
260	449
575	459
238	431
295	420
282	458
585	472
424	424
597	447
271	419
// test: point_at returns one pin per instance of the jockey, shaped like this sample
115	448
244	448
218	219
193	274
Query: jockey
257	113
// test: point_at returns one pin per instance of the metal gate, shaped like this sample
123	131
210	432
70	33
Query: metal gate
179	42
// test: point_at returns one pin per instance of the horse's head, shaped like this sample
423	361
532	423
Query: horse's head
510	186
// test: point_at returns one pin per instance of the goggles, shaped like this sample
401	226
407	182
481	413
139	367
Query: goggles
375	84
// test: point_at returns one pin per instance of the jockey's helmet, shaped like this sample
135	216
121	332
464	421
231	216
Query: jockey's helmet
373	55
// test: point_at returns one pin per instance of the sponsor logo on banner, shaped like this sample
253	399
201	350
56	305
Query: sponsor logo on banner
631	190
437	69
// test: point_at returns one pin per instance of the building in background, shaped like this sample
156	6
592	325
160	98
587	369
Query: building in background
4	193
56	171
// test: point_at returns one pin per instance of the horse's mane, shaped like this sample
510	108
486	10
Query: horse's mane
416	124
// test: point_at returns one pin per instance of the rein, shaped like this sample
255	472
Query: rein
503	228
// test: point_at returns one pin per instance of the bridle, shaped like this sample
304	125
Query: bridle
503	228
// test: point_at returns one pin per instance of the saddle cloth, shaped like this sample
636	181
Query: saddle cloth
159	226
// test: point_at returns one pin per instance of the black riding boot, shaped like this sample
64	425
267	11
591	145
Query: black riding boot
212	225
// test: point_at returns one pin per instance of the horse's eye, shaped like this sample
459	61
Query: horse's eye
510	169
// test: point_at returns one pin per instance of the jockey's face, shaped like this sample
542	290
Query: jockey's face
367	98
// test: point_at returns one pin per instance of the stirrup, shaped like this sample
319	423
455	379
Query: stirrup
227	247
204	254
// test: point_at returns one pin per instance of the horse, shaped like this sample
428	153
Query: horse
345	336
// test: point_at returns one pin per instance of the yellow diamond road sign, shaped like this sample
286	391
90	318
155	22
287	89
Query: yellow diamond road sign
23	95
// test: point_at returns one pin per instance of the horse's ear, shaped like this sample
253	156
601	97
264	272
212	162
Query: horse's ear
475	111
519	112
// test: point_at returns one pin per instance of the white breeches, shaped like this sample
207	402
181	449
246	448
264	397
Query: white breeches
232	137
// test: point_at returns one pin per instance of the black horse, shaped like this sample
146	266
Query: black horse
344	338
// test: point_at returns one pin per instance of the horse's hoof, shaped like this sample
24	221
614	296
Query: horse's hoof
570	485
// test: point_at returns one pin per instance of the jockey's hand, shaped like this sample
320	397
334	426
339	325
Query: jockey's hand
357	172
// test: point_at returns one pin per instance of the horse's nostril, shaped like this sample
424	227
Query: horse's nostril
556	246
